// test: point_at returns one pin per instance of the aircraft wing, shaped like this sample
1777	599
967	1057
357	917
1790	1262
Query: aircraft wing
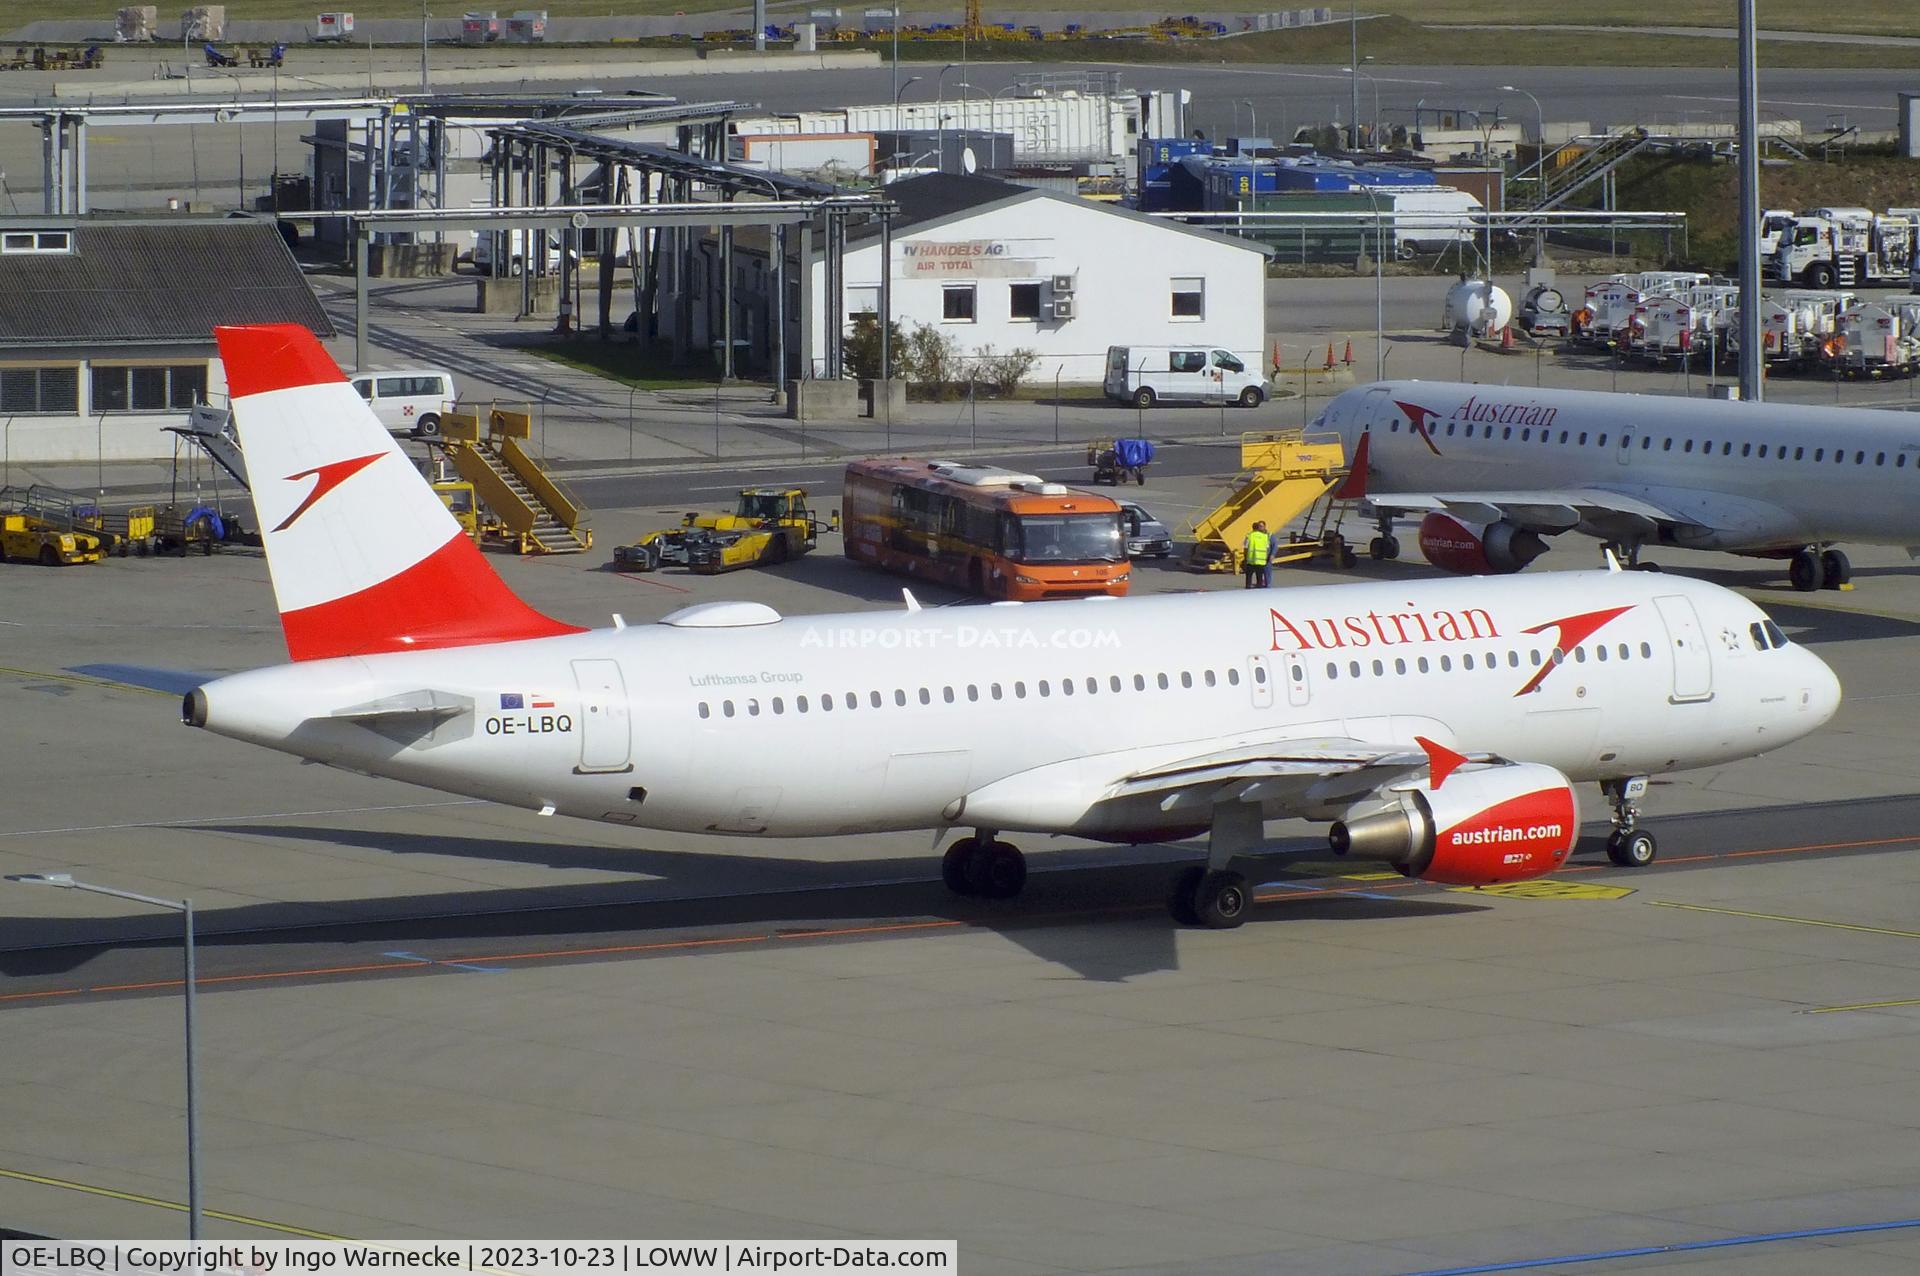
1313	778
1682	516
1546	510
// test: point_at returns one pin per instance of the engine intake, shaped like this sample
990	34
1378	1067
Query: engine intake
1502	824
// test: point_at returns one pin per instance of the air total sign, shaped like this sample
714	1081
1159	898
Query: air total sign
968	258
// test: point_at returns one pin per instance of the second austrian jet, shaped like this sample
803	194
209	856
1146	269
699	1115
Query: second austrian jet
1494	470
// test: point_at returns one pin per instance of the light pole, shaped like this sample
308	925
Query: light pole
423	46
896	65
184	907
1253	121
1379	289
898	89
1353	41
1375	125
1539	116
940	117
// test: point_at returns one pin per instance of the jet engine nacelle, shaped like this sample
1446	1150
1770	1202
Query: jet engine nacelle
1496	549
1502	824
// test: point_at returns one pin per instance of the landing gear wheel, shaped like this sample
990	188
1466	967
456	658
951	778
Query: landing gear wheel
1185	887
1251	397
1383	548
1632	849
1143	397
1221	899
1807	572
1837	568
956	864
997	870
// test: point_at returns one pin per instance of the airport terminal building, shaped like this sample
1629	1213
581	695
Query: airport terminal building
106	326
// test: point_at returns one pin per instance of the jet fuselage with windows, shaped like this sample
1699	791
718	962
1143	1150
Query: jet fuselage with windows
727	718
1701	473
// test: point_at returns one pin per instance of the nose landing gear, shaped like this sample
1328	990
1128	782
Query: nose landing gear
1630	846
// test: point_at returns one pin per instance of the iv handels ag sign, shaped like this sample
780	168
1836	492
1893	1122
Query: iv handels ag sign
965	258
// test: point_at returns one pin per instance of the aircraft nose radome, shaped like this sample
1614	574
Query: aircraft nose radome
1825	689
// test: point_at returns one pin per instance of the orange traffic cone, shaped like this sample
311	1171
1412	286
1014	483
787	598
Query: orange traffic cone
1506	338
1276	358
1347	358
1329	356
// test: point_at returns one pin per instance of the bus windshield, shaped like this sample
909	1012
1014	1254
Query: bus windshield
1065	538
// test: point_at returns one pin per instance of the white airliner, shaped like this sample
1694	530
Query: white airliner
1496	469
1440	724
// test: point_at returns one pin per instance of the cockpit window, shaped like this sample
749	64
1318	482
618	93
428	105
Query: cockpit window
1773	632
1759	635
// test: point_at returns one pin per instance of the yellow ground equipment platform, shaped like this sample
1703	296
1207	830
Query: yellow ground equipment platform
1290	477
42	525
536	513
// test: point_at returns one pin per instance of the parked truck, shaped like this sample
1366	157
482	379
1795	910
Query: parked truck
1845	247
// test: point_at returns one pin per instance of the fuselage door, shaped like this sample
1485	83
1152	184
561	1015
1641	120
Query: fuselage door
606	731
1260	682
1692	662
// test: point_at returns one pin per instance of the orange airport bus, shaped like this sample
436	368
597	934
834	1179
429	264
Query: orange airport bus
994	532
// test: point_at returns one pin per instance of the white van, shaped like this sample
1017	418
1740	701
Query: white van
1144	375
408	400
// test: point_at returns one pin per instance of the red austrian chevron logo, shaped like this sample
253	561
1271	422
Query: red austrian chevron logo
1418	417
1571	632
326	478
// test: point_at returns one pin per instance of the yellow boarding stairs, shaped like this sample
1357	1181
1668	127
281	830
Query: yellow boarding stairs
538	514
1290	475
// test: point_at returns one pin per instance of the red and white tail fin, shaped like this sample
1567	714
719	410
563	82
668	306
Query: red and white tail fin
364	555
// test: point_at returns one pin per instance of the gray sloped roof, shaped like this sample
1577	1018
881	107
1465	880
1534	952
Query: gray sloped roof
154	281
929	201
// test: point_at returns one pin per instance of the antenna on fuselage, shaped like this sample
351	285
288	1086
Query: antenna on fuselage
1613	564
913	604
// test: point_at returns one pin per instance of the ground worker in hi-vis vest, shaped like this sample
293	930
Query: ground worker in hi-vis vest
1256	557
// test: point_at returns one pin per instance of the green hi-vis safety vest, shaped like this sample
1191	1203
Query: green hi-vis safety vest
1258	544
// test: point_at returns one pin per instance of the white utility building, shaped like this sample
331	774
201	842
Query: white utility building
1009	267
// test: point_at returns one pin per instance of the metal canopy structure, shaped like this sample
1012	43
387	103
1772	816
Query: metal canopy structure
63	127
646	222
537	168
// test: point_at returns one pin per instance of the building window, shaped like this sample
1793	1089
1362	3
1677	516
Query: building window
1023	301
956	303
37	241
25	390
149	389
863	299
1189	299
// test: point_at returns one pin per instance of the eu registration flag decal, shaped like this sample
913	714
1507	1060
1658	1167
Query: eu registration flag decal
512	700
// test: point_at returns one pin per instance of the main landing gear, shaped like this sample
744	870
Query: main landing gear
1213	895
1814	568
1210	895
1386	546
983	867
1630	846
1628	556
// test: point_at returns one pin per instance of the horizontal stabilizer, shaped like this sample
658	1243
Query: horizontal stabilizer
175	682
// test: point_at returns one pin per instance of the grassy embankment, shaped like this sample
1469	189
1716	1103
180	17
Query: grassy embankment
1411	32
